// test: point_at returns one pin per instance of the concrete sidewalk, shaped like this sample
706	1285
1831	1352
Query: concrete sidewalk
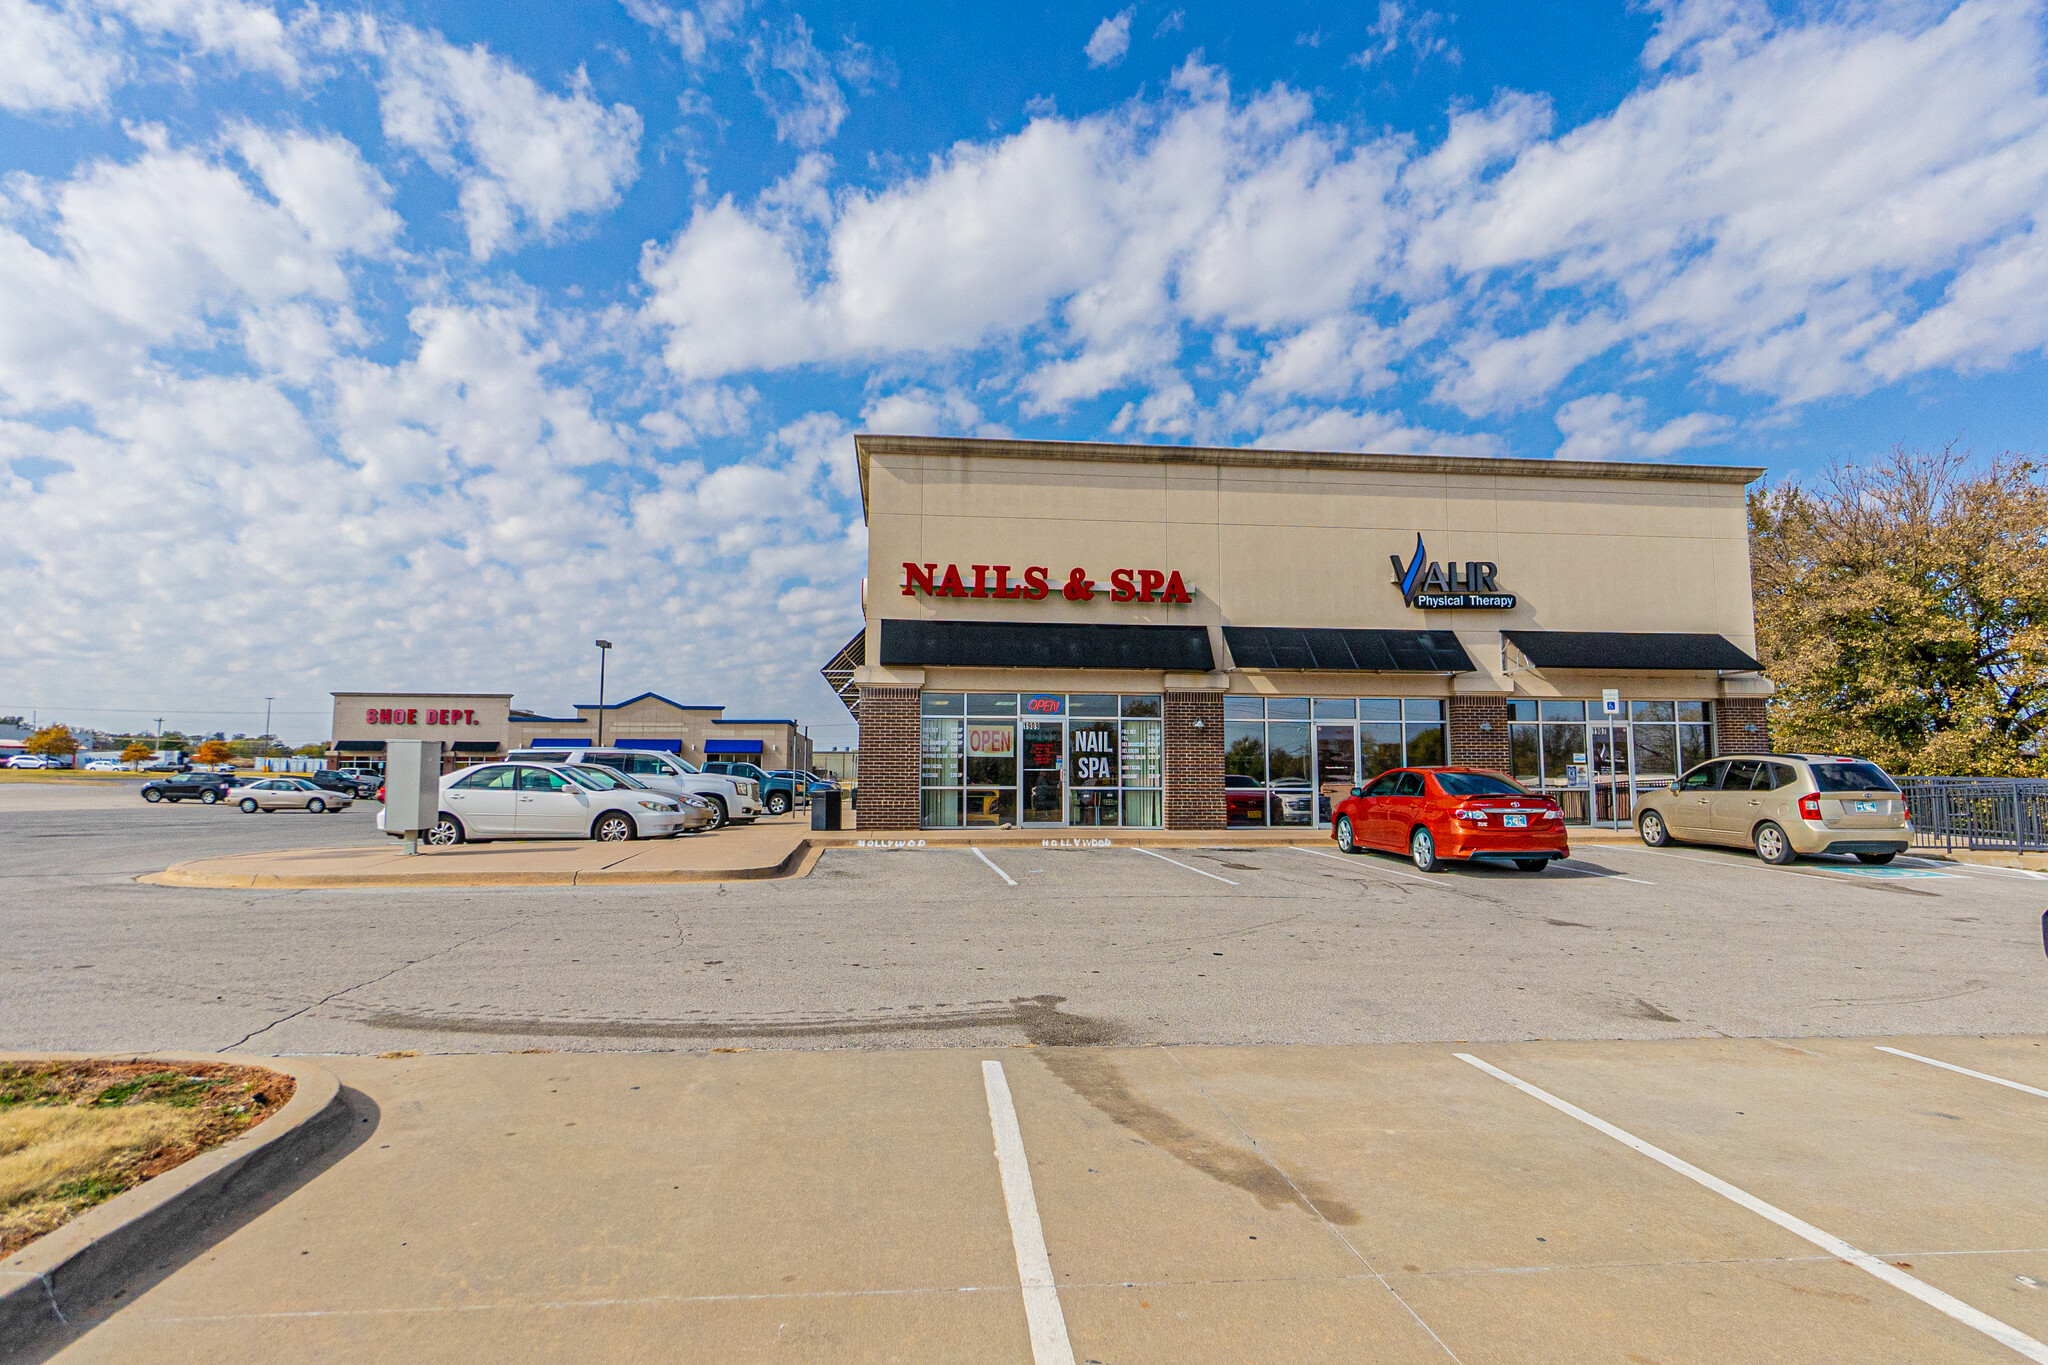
783	847
1285	1204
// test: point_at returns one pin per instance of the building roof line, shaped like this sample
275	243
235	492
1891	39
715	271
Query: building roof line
869	444
756	721
615	705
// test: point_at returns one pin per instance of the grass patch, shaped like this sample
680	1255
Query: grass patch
75	1134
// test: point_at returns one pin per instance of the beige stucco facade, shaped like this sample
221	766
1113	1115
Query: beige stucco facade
1303	539
475	726
1621	588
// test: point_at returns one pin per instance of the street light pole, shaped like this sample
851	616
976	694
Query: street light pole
266	716
604	648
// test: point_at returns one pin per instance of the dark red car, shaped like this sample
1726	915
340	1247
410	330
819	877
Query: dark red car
1441	815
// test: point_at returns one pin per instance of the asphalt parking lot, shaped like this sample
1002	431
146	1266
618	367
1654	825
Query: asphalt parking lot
953	948
1099	1105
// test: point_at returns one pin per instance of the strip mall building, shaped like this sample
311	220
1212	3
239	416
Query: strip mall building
1062	635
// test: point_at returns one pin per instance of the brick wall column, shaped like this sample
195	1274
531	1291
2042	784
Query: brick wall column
890	742
1194	760
1472	746
1733	722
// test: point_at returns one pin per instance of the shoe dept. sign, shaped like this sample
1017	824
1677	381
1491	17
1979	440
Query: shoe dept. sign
993	580
1429	586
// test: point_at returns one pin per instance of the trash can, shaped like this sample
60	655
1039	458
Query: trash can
825	809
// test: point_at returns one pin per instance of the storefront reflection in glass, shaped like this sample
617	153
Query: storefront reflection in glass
1595	765
1289	760
1088	759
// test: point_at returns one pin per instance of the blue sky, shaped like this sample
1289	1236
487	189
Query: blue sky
410	347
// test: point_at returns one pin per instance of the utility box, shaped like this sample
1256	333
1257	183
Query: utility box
412	787
825	810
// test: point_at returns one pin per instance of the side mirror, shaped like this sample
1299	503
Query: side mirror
1358	791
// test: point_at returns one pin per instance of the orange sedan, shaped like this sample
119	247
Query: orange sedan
1442	815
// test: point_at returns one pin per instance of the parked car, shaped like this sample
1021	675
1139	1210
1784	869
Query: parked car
778	789
32	761
736	800
335	780
165	766
203	787
1784	806
548	801
103	765
288	793
697	814
1244	799
1440	815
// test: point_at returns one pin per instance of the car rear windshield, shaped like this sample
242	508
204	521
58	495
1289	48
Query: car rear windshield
1478	784
1850	775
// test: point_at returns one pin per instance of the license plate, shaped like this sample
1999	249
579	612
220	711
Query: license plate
1869	807
1515	821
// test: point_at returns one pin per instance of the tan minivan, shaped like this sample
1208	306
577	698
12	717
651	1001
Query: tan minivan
1783	806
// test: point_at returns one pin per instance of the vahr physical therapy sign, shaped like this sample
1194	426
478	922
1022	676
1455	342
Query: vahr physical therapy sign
1440	587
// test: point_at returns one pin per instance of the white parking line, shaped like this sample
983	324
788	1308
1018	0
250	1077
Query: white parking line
1049	1344
2002	1333
1365	864
992	867
1965	1071
1178	863
2025	873
1599	872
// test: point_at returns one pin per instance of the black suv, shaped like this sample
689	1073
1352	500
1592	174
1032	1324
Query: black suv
337	781
205	787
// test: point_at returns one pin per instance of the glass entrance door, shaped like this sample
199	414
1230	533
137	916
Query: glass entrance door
1336	767
1613	788
1045	758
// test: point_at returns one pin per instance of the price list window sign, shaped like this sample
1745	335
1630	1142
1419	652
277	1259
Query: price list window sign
1092	768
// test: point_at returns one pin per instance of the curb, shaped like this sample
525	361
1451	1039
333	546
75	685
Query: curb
796	863
146	1227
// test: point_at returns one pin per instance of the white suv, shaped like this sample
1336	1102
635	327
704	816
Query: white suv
735	800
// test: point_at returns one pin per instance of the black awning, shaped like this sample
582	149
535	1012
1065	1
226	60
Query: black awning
476	746
359	746
1006	644
1626	650
1347	651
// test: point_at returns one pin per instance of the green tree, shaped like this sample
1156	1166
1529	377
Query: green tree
1902	610
52	741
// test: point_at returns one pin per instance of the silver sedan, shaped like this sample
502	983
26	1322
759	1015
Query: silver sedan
289	793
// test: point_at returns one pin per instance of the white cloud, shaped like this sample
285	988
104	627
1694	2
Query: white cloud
1111	39
1764	211
525	160
251	37
1609	426
920	411
1344	429
1424	34
54	58
338	199
799	85
693	29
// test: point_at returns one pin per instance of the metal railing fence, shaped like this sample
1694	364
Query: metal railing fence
2003	814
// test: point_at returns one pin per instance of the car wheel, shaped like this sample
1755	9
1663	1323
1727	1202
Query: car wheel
778	803
445	831
1422	848
1651	827
152	797
207	798
1532	864
315	806
720	817
1875	859
1772	846
612	828
249	806
1346	841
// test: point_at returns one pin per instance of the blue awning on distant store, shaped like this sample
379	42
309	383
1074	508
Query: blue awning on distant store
663	746
559	743
732	746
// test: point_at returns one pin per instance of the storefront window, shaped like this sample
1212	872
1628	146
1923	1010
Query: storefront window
1089	759
1281	768
1595	765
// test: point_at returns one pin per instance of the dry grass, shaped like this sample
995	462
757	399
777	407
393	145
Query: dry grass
73	1134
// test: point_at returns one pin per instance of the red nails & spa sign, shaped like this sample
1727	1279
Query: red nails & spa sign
993	580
